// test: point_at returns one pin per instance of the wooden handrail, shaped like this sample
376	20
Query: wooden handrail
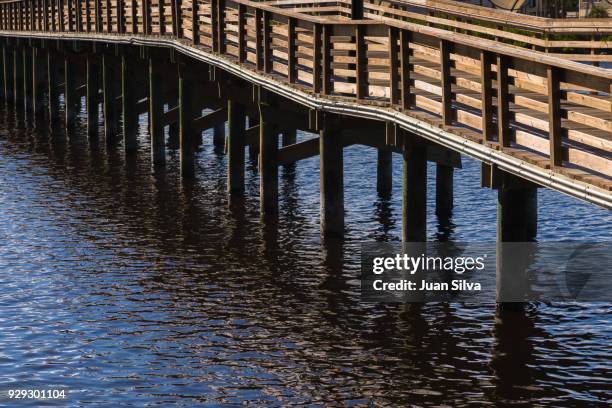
555	112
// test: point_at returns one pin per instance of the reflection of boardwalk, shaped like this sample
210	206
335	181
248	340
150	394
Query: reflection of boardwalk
424	88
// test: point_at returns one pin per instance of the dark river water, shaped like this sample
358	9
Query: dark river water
130	287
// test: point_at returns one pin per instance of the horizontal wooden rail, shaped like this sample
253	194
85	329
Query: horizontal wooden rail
546	110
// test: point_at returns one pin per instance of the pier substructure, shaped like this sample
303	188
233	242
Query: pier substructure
38	83
156	112
219	137
52	89
289	137
384	173
414	215
8	73
70	97
109	87
18	76
253	147
331	153
128	106
268	163
444	191
187	130
236	119
92	97
27	83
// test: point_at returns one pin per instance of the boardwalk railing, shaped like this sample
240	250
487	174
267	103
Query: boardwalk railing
544	110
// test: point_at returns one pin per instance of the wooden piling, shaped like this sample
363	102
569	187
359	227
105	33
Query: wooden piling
236	119
186	117
27	83
517	214
268	164
92	98
444	191
128	106
110	99
254	147
384	172
289	137
18	76
414	217
52	90
38	83
219	136
331	181
156	111
70	99
8	73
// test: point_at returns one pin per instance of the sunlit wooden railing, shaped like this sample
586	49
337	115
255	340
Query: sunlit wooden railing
543	109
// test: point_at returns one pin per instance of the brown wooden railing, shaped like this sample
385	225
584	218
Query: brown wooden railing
545	110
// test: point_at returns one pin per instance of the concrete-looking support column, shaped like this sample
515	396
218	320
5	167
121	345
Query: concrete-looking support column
236	120
92	98
186	117
444	191
70	98
52	91
268	164
128	106
516	223
219	137
27	81
414	214
18	77
110	100
156	112
331	175
384	172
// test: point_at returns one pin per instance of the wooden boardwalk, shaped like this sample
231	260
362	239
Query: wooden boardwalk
507	95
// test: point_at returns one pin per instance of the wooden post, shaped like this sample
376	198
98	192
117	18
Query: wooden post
92	97
405	69
219	137
414	216
554	116
326	60
331	173
316	58
195	23
109	16
2	70
52	90
356	9
162	17
109	83
8	73
186	117
267	42
289	137
444	191
221	26
70	99
253	147
384	173
291	51
241	32
517	214
394	94
486	76
361	65
446	82
18	76
128	105
268	164
177	18
259	39
156	111
38	83
236	120
503	102
27	81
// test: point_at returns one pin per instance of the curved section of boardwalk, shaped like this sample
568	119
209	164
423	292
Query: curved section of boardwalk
543	118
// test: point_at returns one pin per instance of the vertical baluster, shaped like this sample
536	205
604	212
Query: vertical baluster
553	76
405	69
361	62
326	59
162	17
267	42
214	24
241	33
503	102
176	18
393	64
316	63
195	24
486	75
121	16
109	16
259	38
221	26
446	82
291	68
134	15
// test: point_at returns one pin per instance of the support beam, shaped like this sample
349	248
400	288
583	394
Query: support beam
298	151
110	100
52	90
128	106
414	214
156	112
70	99
384	172
92	97
186	123
444	191
268	164
331	181
236	119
